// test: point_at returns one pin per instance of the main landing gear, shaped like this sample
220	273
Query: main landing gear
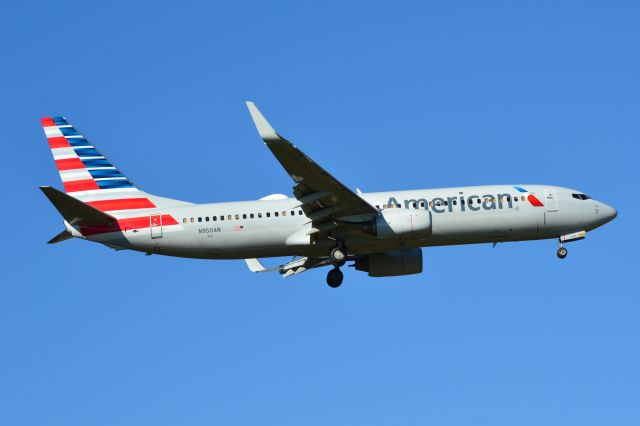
338	257
334	277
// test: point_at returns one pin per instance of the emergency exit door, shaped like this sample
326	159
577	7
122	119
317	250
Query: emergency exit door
155	223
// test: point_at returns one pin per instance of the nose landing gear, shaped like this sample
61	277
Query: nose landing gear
562	252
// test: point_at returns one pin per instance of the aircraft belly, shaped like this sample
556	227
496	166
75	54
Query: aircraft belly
492	226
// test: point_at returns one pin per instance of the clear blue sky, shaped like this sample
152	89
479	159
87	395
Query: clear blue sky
406	95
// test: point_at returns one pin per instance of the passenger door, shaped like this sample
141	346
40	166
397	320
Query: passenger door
551	200
155	223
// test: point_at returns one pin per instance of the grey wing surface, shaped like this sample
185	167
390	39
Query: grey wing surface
325	200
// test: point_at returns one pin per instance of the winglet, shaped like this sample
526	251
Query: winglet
264	128
255	265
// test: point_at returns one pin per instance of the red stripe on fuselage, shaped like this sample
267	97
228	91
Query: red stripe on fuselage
124	225
70	164
80	185
58	142
122	204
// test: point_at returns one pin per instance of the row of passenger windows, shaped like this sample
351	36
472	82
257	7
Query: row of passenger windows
237	216
455	202
384	206
581	196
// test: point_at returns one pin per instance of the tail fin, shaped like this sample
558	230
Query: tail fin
83	169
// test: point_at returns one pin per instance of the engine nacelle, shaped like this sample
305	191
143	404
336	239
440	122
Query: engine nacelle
391	263
400	223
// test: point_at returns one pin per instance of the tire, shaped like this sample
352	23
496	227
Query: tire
562	252
338	256
334	278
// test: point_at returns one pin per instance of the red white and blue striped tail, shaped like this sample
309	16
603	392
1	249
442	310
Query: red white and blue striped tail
89	177
83	169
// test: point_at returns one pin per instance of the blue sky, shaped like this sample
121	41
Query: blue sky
393	96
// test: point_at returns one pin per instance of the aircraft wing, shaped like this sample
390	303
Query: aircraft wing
323	198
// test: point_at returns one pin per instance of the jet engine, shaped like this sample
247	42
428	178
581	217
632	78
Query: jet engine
391	263
400	223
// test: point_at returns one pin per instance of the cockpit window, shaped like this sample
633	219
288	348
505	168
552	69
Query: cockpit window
581	196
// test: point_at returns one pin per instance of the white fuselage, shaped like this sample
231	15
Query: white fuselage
264	228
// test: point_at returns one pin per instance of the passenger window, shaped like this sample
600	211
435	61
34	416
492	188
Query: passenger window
206	218
199	219
251	215
244	216
184	220
284	213
276	214
455	202
192	220
214	218
377	207
259	215
415	205
515	198
299	212
384	206
421	203
268	214
430	203
221	217
237	216
229	217
522	198
293	212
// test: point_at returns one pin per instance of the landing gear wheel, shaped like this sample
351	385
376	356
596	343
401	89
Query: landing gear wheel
334	277
562	252
338	256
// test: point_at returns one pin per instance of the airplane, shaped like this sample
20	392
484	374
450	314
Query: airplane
323	224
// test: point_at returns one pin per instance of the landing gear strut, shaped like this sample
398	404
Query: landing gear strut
562	252
334	277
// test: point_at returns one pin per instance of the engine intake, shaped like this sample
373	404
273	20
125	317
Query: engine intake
391	263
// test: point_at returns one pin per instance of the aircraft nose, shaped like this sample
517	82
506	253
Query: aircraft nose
607	213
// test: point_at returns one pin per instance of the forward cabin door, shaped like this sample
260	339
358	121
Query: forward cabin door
155	223
551	216
551	200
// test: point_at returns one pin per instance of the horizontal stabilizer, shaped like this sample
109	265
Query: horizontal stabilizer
63	236
75	211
